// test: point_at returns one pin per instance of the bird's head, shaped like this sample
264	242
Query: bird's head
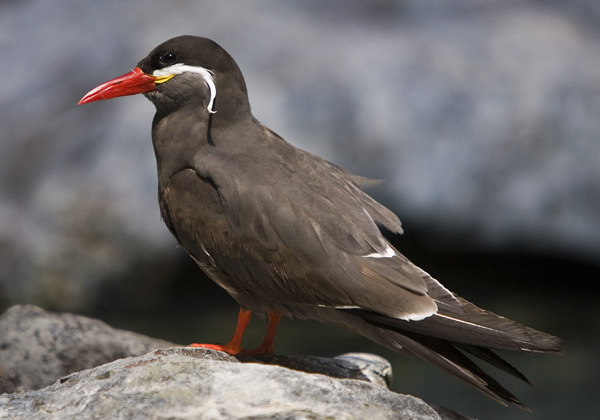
183	71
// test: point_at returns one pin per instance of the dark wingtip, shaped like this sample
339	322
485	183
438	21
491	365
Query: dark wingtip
545	344
521	406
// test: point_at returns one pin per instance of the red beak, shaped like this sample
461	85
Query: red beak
136	81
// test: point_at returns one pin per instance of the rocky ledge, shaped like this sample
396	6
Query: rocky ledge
151	379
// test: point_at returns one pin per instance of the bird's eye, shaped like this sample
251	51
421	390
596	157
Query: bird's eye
168	58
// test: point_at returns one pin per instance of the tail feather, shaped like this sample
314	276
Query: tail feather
493	359
450	359
444	339
474	327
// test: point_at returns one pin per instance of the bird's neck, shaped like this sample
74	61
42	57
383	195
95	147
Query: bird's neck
231	106
180	136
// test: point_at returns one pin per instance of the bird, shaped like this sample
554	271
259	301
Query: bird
287	233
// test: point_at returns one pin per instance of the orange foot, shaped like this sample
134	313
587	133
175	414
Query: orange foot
234	347
227	348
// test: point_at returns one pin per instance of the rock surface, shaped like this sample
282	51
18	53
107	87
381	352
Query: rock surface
186	383
182	382
38	347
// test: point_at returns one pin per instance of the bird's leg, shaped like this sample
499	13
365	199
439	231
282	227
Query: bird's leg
266	346
235	344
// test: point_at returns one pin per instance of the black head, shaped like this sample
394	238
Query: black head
187	71
193	71
192	51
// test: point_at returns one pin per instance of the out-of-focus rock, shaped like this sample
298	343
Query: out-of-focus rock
483	119
38	347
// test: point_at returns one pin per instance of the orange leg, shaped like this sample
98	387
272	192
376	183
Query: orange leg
235	344
266	346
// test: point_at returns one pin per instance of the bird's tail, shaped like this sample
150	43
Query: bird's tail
446	338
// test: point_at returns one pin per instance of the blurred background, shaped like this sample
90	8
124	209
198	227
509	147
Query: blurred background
483	118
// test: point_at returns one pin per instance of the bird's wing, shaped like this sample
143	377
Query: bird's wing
257	240
311	235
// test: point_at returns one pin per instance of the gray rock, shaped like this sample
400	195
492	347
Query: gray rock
39	347
187	383
361	366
